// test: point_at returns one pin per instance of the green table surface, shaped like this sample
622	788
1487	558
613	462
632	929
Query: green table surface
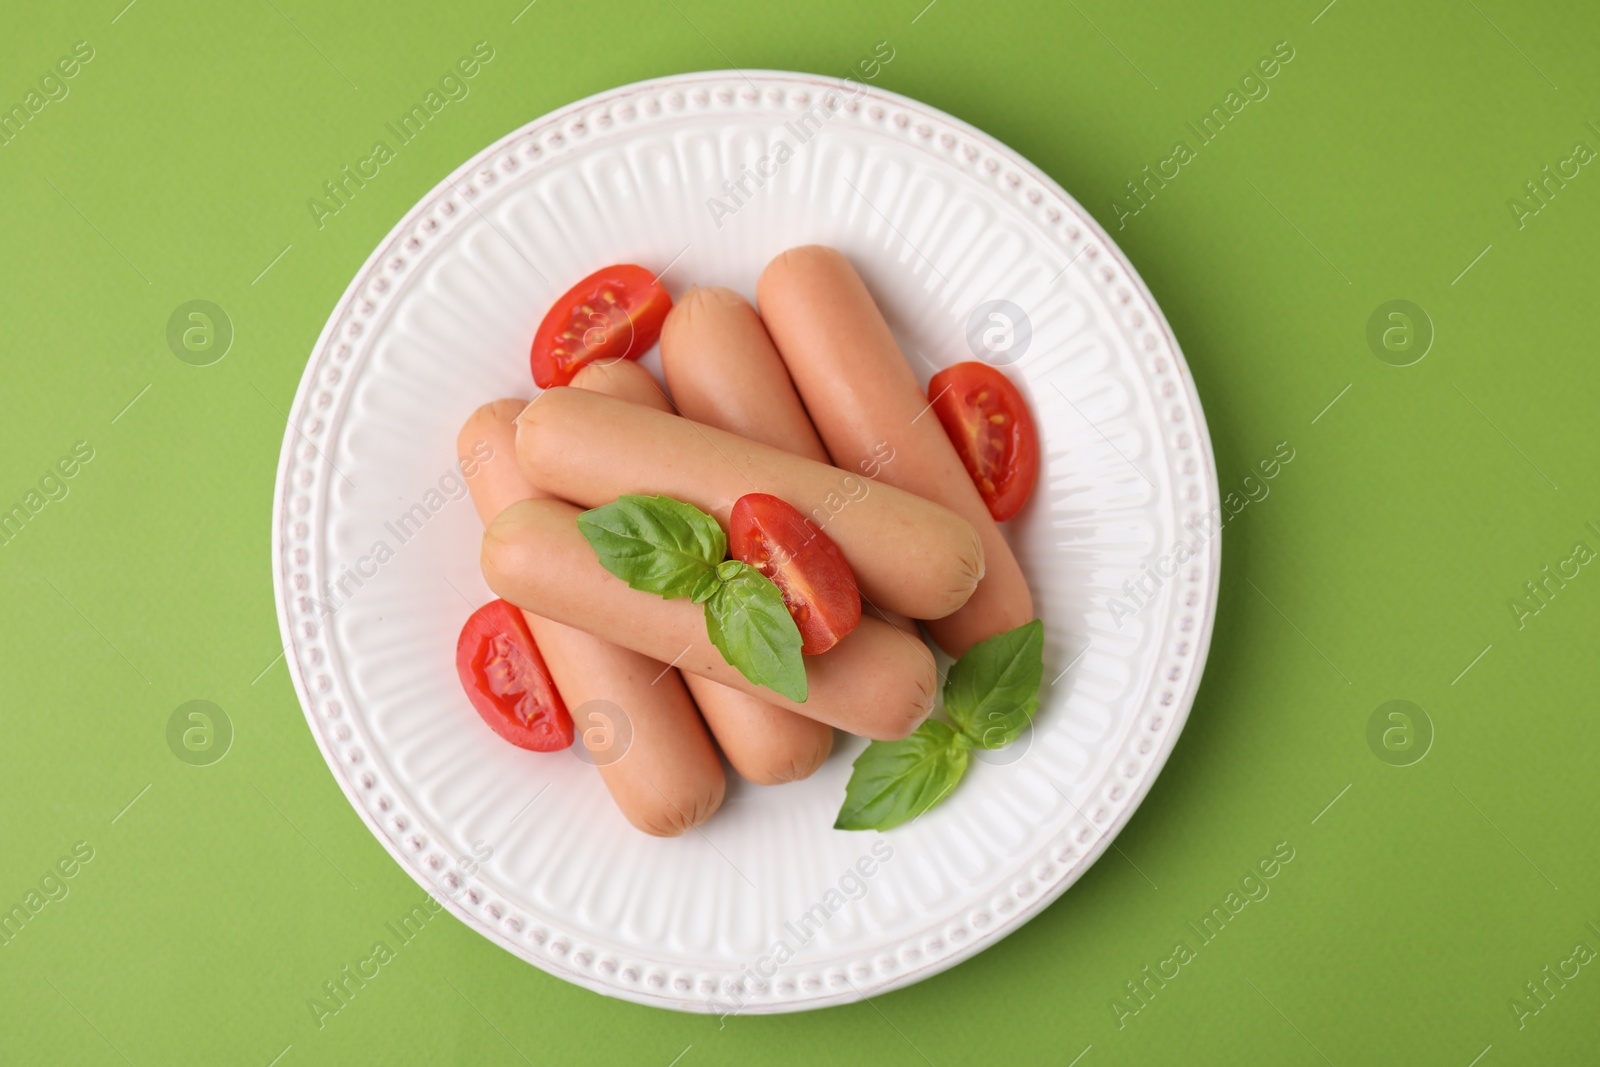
1440	910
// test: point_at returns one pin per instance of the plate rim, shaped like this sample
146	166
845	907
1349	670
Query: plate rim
799	1001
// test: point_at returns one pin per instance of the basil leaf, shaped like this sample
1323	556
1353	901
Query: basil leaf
992	691
747	620
895	781
657	545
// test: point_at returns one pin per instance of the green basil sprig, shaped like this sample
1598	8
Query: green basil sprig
990	695
664	546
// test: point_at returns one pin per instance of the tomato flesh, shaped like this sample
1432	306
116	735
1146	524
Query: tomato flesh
816	581
614	313
992	430
507	681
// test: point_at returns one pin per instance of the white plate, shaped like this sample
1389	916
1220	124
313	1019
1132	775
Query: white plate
939	218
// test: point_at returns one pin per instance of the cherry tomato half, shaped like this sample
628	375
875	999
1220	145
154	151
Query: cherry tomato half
990	425
614	313
507	681
817	584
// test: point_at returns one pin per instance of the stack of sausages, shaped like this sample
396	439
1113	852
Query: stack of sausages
810	401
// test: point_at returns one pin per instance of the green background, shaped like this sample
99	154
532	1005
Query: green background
1380	567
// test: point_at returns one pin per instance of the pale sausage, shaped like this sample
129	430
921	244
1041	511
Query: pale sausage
909	555
874	682
862	396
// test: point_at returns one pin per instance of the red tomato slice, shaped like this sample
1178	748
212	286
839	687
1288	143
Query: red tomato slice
990	425
614	313
507	681
817	584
